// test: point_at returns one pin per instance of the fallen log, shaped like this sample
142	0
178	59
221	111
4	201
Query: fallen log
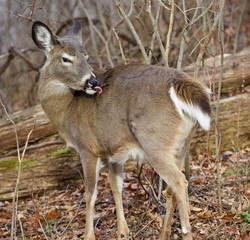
25	121
43	168
236	71
234	126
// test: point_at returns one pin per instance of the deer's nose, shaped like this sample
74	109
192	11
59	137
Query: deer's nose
93	83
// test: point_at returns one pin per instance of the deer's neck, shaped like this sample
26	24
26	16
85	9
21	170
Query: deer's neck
55	98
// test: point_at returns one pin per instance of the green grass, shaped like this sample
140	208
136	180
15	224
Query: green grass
246	216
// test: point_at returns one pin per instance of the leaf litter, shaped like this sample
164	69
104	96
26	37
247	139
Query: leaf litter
61	214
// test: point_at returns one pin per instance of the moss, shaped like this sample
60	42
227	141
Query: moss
61	151
27	163
13	163
10	163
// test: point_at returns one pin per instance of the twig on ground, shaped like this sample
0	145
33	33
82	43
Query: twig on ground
153	191
41	226
21	227
72	217
144	226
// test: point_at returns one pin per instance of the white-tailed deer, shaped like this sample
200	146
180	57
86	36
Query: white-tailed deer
135	111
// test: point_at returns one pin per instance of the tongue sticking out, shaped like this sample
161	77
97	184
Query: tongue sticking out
98	89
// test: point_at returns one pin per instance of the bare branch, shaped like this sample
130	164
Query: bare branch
187	27
132	29
170	29
199	59
20	54
217	133
13	222
7	63
157	34
94	44
239	25
104	25
153	36
100	35
120	46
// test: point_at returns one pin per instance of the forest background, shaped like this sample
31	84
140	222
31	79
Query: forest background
42	191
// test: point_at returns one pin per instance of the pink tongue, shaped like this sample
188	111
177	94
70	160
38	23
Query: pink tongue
98	89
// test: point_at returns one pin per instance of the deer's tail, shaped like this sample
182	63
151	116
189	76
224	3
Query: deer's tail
192	98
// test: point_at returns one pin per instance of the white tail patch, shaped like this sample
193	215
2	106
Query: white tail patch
193	111
209	91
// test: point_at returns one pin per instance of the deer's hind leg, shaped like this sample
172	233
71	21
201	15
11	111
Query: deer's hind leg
177	190
170	207
170	197
163	159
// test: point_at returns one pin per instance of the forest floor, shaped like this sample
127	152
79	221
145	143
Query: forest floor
60	214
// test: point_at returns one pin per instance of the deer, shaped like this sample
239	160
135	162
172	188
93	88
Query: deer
135	111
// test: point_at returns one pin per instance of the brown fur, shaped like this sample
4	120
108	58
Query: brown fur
191	91
133	117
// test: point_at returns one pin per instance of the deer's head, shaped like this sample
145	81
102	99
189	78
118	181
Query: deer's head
66	57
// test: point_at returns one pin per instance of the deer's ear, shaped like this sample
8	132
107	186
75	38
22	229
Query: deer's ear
75	31
43	37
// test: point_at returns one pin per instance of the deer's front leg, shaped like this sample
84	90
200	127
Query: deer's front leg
91	166
116	182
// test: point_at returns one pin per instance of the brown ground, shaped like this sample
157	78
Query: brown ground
47	214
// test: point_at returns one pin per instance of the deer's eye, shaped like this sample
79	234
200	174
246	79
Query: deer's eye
66	60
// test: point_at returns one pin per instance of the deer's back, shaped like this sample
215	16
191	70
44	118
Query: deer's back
134	95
